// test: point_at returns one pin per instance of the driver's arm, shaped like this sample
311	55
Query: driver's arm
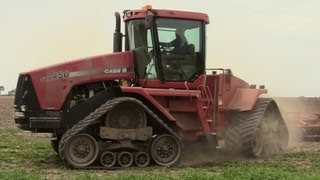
165	44
169	44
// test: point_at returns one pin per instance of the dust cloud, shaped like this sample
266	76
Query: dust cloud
292	110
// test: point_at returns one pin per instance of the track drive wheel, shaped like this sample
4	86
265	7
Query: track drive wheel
126	115
166	150
81	150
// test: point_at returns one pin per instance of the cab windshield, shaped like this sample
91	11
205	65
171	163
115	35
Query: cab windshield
179	44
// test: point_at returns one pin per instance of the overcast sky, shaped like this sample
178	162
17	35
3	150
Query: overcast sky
270	42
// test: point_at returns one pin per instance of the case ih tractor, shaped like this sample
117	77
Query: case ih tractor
145	103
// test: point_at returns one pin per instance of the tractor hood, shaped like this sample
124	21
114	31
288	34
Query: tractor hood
53	83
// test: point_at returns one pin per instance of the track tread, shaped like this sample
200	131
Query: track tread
252	123
233	140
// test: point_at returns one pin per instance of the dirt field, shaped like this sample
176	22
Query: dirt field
28	155
6	110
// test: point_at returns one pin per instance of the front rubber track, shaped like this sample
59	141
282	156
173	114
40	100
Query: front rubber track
95	116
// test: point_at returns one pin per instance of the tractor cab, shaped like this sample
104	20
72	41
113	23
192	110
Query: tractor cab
168	46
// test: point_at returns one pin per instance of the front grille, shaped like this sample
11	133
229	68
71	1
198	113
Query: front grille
18	93
25	95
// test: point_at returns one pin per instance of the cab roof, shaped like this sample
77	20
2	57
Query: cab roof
141	13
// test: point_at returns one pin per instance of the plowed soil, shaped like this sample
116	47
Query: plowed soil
6	112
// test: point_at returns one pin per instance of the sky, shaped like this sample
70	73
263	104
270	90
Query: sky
272	43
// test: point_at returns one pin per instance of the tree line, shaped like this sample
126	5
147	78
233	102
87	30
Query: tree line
10	93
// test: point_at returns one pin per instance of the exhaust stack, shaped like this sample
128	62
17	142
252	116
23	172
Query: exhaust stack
117	35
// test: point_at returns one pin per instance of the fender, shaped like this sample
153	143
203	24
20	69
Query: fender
244	99
53	83
143	92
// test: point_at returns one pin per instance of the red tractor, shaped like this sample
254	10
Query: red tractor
145	103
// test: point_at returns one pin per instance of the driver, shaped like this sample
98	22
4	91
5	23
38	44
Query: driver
180	43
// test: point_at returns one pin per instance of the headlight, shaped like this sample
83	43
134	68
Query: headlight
24	108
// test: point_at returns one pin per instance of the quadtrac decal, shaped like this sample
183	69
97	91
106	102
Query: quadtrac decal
66	74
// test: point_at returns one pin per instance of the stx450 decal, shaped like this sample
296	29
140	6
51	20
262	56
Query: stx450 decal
66	74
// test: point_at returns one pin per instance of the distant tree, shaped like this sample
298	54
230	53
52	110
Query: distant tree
1	89
12	92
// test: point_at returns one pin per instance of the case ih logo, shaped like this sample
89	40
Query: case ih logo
115	70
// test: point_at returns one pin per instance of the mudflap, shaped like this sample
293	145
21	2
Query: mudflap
212	142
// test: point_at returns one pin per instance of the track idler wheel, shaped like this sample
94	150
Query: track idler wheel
166	150
142	159
81	150
125	159
108	159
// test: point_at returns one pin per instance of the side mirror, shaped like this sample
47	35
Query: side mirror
149	18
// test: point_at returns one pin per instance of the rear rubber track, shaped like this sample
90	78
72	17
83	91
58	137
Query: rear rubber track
241	131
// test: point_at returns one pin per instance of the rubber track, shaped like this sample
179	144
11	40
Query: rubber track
232	135
251	123
94	117
240	133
